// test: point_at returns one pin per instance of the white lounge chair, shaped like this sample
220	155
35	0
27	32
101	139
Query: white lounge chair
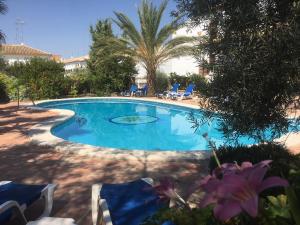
25	195
13	205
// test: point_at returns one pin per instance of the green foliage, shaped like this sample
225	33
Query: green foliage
79	82
278	206
282	160
184	216
255	48
184	80
41	78
152	44
110	73
13	87
200	82
181	79
3	92
3	10
161	82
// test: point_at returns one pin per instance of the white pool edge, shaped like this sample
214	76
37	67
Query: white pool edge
41	135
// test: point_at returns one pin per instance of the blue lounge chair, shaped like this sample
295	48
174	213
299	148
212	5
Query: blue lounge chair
171	92
126	203
133	89
25	195
187	94
143	91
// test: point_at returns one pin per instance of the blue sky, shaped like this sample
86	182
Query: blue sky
62	26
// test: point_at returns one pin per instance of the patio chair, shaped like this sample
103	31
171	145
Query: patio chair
133	89
12	207
143	91
187	93
125	203
25	195
167	94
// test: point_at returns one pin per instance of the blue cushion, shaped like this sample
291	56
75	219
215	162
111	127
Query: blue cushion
21	193
131	203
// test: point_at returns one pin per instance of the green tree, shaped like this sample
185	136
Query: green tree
3	10
256	72
80	82
109	72
42	78
152	44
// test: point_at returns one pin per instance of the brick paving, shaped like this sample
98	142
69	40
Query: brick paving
23	161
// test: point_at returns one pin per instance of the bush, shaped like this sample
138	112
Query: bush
3	92
161	82
12	86
283	161
79	82
200	82
182	80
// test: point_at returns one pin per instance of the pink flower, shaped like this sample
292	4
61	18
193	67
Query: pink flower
166	190
238	188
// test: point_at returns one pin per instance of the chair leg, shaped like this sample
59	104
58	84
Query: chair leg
95	203
48	194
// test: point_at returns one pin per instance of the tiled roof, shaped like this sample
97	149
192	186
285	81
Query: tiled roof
22	50
77	59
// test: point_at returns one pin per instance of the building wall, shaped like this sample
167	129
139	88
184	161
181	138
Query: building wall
11	59
181	65
75	65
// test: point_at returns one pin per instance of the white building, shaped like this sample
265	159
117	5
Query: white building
75	63
12	53
181	65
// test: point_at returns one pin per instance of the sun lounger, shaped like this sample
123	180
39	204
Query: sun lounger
13	206
125	203
187	94
167	94
143	91
25	195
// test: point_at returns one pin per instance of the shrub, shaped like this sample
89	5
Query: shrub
283	161
3	92
161	82
200	82
12	86
182	80
79	82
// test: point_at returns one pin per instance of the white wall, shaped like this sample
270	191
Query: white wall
11	59
180	65
75	65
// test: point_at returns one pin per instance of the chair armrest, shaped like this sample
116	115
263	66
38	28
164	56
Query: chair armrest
13	205
48	194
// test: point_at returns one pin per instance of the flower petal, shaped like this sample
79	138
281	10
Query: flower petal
207	200
256	176
227	210
273	182
251	206
246	165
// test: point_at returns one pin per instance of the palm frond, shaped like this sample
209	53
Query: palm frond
3	7
128	28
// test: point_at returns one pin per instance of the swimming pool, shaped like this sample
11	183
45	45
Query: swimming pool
135	125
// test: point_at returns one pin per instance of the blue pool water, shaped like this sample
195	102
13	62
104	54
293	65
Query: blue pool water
130	125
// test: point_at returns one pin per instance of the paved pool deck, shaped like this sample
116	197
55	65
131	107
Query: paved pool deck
22	160
26	161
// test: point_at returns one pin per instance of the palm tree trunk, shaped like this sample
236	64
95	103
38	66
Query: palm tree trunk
151	77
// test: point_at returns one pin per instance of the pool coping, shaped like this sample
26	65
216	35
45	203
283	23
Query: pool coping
45	137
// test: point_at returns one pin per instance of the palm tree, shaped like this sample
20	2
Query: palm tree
3	9
151	45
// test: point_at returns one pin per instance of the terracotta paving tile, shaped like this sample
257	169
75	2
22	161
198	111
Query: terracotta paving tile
23	161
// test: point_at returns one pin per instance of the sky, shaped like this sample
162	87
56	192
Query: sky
62	26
